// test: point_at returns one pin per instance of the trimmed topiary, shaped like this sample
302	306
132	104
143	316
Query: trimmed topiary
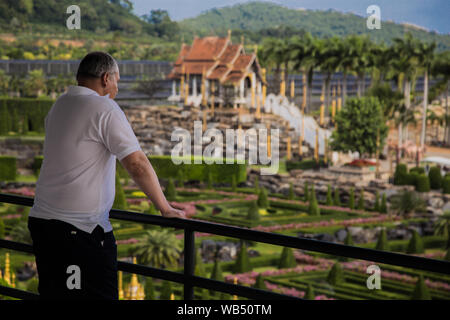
216	274
120	201
348	241
313	209
166	290
309	294
152	209
383	206
306	192
400	174
337	197
149	289
382	242
171	192
420	290
253	213
415	244
287	259
435	178
8	168
446	185
422	183
329	196
259	283
242	262
291	194
351	199
262	201
361	200
180	178
336	275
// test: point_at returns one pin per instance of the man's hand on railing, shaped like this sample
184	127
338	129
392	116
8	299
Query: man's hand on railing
173	211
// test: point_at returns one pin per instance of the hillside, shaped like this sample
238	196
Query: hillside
259	19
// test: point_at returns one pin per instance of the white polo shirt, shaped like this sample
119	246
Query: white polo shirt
84	134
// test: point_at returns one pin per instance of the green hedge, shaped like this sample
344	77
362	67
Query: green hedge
36	166
165	168
23	114
8	168
304	164
446	185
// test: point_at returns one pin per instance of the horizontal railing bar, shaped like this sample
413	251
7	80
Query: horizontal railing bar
391	258
17	246
196	281
17	293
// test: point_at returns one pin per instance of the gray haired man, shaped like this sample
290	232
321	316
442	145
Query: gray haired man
85	132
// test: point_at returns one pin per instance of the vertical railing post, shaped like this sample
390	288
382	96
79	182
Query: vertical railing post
189	262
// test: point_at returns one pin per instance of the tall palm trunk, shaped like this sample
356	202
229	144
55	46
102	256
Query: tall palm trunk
407	103
400	124
425	107
310	80
327	94
344	88
447	128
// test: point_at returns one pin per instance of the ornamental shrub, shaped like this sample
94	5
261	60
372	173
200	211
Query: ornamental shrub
420	290
415	244
435	178
287	259
313	209
329	196
120	202
171	192
242	262
8	168
423	183
262	201
446	185
166	290
382	242
259	283
253	213
400	174
309	294
336	275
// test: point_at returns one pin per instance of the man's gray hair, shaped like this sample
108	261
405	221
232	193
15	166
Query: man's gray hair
96	64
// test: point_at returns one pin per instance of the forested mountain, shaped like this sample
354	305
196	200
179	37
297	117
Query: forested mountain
259	19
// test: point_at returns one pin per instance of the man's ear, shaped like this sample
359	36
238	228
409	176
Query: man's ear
104	79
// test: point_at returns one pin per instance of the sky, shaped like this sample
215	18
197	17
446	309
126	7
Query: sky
431	14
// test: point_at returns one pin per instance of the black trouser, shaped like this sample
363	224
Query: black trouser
74	264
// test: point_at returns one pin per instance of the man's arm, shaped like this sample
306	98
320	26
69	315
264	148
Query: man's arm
142	172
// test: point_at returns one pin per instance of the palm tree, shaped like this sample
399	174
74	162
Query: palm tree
158	249
275	53
426	56
328	58
441	68
359	49
405	64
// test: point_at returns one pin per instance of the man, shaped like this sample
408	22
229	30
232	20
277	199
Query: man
85	131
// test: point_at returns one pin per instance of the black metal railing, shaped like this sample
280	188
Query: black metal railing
189	280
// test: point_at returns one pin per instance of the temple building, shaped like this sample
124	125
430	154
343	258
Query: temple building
214	71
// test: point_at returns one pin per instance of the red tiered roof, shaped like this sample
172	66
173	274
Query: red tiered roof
218	57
